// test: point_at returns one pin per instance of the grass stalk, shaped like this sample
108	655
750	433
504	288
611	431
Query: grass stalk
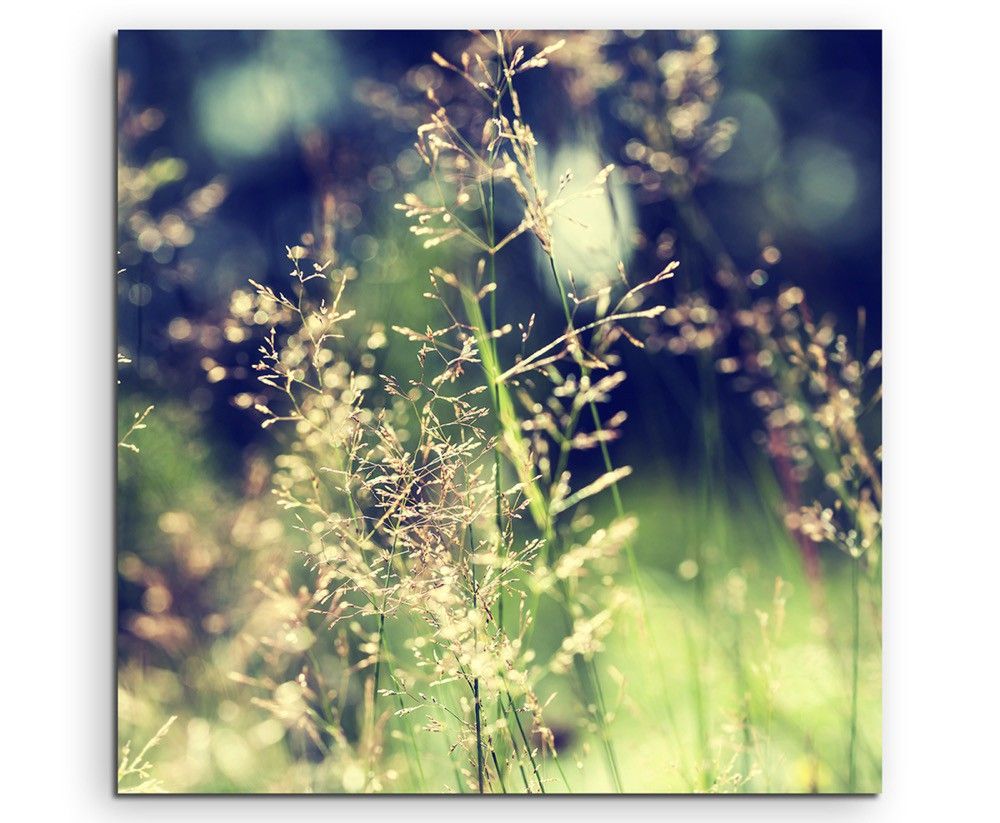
509	423
475	680
527	743
413	756
618	503
490	214
496	766
852	776
479	734
381	650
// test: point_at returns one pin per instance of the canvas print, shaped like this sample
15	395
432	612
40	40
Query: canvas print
499	412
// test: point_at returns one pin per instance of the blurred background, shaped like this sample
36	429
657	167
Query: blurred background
235	144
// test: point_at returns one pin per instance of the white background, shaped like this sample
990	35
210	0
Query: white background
941	331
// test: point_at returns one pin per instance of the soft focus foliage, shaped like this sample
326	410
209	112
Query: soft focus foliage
503	477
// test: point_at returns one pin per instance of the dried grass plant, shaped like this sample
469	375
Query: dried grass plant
432	523
445	505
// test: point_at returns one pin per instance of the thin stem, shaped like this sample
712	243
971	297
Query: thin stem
602	708
710	528
517	753
527	743
491	235
694	663
414	751
479	735
562	774
381	622
496	765
510	425
856	655
616	496
475	681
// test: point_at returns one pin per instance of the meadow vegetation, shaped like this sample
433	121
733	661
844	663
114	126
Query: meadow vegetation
445	568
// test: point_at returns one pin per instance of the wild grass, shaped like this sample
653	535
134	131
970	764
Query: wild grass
444	599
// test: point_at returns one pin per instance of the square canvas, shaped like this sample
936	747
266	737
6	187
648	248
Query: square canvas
499	412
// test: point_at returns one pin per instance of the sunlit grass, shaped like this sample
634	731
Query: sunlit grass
435	570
